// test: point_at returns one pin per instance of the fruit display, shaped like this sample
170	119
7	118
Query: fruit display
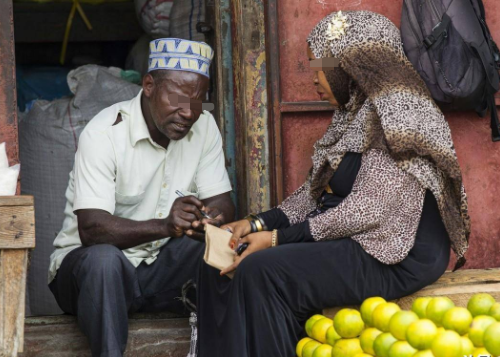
434	327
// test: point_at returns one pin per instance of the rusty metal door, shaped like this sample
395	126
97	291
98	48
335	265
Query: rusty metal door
298	118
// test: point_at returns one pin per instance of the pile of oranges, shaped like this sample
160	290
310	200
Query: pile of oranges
434	327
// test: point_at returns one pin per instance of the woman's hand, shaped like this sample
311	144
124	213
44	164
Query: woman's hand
256	241
239	229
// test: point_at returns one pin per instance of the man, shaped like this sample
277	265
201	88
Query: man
126	240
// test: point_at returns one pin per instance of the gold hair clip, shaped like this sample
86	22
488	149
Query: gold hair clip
337	26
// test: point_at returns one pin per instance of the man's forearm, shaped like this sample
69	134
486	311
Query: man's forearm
99	227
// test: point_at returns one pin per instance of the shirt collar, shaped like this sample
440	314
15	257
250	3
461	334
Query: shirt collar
138	128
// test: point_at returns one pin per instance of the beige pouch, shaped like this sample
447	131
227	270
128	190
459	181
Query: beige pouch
217	251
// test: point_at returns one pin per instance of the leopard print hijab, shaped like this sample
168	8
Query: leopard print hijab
384	104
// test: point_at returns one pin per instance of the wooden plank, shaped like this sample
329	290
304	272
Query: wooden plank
150	335
24	200
468	276
17	227
13	267
251	106
224	89
274	90
317	106
459	286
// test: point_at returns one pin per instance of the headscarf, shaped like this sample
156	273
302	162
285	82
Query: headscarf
385	104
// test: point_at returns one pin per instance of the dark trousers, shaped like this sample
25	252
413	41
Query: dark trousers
100	286
262	310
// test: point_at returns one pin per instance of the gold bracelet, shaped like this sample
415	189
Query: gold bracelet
274	238
259	225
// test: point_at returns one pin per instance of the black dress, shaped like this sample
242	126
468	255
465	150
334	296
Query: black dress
261	312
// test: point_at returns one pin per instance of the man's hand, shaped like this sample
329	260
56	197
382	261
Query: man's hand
183	213
219	208
216	219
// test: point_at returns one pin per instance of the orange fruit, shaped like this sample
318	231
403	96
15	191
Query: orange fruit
367	308
481	352
480	304
323	351
309	348
348	323
495	311
467	346
320	328
478	327
437	307
367	338
457	319
300	346
347	347
382	315
401	349
491	339
332	336
383	343
310	322
447	344
419	306
421	333
399	323
424	353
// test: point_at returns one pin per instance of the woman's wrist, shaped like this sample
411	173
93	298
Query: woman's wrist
257	224
247	228
274	238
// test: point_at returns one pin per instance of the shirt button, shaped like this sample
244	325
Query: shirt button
164	185
160	215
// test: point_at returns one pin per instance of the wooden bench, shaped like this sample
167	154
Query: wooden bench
17	236
158	335
459	286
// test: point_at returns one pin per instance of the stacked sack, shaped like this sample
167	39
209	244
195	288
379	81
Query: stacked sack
164	18
434	327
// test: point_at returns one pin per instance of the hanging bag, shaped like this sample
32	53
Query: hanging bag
451	47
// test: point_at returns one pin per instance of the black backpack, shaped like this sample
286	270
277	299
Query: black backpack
451	47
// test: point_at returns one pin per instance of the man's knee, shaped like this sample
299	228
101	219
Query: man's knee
102	259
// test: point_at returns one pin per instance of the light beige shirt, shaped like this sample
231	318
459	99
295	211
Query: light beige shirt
120	169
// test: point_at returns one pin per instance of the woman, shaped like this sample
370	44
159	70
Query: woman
375	217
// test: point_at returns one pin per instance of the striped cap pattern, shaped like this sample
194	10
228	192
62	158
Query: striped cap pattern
180	55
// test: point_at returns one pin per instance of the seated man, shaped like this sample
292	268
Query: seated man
126	240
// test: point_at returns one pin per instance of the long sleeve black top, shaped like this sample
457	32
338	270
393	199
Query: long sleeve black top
341	184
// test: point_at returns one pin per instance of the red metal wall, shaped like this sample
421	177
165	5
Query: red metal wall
478	156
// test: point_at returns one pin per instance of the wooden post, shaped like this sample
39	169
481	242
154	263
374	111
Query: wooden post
17	236
250	102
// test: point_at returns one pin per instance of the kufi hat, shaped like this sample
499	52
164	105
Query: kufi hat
180	55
